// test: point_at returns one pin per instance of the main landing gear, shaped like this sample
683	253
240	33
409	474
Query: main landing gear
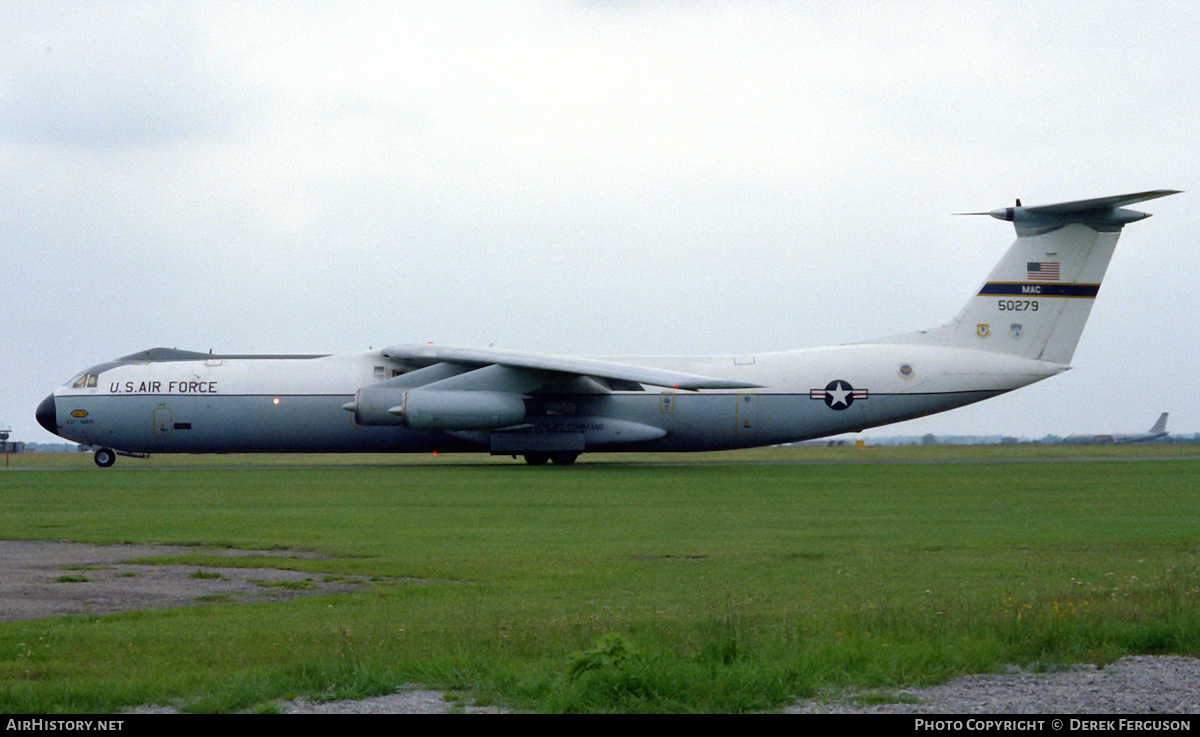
559	458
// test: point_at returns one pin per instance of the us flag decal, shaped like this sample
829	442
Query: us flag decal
1042	270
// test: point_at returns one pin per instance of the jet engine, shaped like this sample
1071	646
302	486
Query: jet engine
434	409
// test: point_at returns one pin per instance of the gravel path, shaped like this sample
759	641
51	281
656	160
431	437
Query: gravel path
415	701
47	578
1132	685
405	702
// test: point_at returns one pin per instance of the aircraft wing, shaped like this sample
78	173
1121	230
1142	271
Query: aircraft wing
428	354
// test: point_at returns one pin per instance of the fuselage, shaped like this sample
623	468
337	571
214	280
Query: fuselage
222	404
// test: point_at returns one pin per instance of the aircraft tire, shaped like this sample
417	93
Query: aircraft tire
537	458
563	457
104	457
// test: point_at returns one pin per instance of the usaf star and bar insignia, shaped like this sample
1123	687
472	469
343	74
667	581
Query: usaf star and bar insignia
838	394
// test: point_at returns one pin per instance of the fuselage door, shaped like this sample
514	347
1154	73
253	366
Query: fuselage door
162	422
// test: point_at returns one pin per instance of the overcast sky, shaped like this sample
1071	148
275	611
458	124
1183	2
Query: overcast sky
596	178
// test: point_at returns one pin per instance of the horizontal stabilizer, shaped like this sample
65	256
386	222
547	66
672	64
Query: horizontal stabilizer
1104	214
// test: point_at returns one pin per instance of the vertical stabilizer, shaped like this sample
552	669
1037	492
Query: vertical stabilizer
1036	301
1160	427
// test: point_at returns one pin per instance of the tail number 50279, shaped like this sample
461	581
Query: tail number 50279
1018	305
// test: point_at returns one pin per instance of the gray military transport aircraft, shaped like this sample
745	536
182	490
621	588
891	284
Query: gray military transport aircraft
1019	327
1156	431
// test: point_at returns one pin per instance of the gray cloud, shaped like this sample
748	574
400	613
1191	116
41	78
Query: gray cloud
583	178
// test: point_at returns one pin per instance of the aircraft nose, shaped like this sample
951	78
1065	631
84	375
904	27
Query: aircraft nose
47	414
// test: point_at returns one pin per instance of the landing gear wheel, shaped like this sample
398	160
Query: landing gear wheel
563	457
537	459
104	457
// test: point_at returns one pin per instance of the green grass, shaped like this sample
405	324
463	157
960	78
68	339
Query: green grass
734	585
795	454
71	579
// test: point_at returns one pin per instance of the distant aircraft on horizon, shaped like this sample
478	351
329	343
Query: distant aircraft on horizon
1021	326
1158	430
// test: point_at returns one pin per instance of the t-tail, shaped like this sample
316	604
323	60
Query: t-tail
1036	300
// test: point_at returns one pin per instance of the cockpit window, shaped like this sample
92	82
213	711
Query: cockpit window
83	381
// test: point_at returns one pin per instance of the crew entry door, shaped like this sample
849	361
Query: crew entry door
162	422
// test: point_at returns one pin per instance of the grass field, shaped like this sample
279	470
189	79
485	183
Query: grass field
729	582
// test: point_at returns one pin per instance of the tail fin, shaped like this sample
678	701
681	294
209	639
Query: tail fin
1036	300
1161	425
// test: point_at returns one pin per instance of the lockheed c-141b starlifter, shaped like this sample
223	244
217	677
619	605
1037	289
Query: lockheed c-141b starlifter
1019	327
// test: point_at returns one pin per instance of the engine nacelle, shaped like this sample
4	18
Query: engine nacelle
371	405
432	409
451	410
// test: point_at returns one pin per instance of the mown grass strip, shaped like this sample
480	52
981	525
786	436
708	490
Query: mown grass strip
735	587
